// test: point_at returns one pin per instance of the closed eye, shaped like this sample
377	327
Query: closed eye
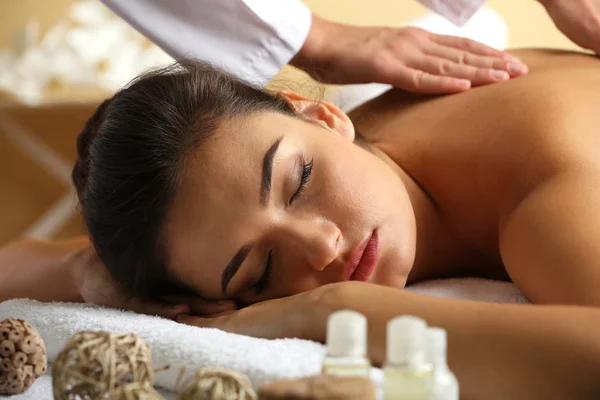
306	173
263	282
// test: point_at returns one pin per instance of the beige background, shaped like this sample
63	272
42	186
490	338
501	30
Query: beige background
529	25
27	190
527	20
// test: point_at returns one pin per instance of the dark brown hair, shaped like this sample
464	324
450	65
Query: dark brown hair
131	155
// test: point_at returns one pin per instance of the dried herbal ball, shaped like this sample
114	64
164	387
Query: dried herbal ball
22	356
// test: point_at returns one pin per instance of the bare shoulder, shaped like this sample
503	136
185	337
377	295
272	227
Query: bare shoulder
559	82
559	95
561	99
538	125
543	59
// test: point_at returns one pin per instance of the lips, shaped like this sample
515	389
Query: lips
363	259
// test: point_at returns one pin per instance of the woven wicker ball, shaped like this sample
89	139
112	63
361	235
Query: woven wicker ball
22	356
93	364
215	383
135	391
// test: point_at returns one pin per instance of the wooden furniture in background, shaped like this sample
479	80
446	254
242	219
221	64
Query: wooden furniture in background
37	151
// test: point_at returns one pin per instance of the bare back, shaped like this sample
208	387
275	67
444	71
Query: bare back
480	154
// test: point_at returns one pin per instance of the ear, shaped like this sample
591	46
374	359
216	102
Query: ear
330	116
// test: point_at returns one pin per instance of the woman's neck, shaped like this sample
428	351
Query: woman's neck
436	251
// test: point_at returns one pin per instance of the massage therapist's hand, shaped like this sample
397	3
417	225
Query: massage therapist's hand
303	315
409	58
96	286
579	20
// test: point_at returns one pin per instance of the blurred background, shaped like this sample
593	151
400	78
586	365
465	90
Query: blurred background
60	58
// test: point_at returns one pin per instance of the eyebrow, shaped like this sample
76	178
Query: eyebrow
267	171
265	189
234	265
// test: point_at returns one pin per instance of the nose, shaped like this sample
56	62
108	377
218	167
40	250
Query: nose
316	240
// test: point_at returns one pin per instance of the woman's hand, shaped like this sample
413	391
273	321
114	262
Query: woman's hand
96	286
579	20
303	315
410	58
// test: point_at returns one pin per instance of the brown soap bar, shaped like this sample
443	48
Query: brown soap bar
319	387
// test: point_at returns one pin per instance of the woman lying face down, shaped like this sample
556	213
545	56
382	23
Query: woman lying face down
191	176
275	204
193	183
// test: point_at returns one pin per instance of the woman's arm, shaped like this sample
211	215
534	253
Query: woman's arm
497	351
71	271
40	269
549	245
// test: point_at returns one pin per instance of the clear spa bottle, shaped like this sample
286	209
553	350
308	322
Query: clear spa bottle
444	382
407	374
347	345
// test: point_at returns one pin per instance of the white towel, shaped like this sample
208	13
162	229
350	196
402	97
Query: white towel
180	345
172	344
474	289
42	390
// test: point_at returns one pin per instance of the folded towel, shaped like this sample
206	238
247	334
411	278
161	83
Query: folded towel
42	390
179	345
474	289
172	343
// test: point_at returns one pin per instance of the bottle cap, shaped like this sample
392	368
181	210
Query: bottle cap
436	345
347	334
406	341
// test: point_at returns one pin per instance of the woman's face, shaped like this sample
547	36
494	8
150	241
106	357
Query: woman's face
273	205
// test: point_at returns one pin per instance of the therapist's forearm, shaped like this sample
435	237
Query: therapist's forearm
321	36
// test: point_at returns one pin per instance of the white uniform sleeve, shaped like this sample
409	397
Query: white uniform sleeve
456	11
252	39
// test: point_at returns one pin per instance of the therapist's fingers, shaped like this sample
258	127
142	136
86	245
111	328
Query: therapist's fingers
458	56
444	67
472	46
419	81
